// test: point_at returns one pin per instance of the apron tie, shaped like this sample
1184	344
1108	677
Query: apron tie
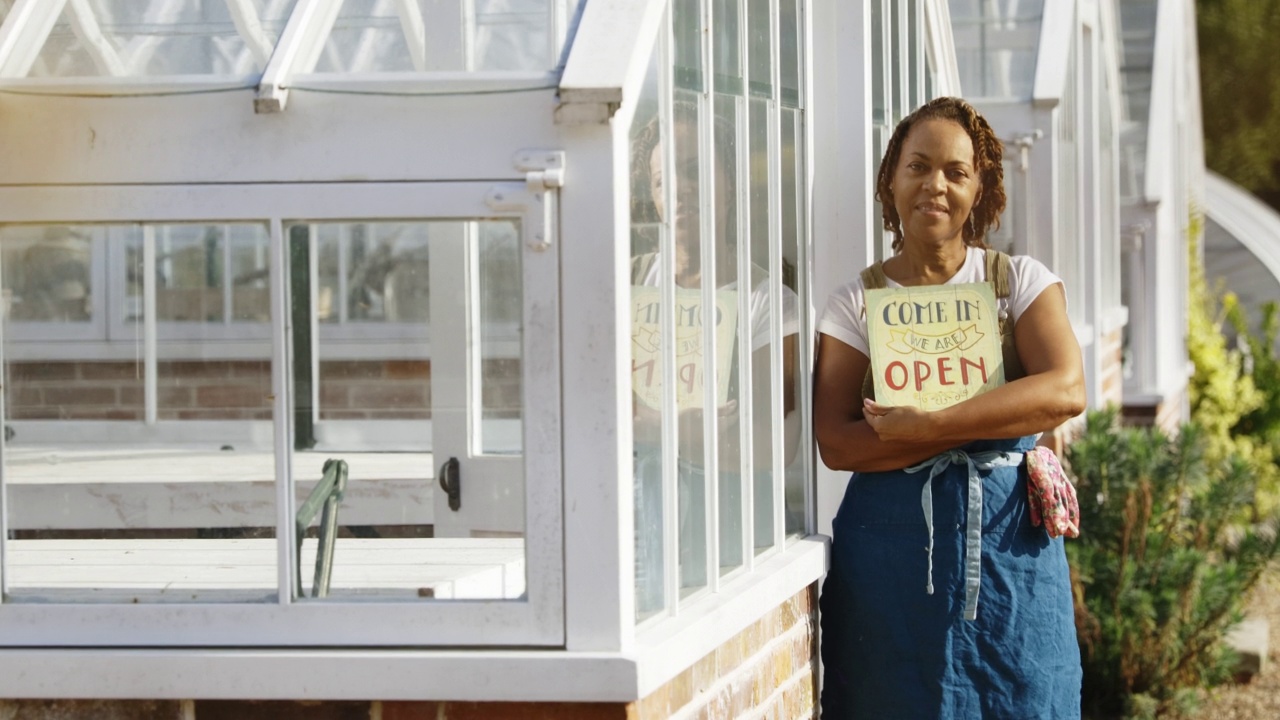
975	462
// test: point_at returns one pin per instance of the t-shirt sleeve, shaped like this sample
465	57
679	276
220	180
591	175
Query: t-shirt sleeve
1030	278
843	317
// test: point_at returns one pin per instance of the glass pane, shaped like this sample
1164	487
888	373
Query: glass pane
996	46
728	118
48	274
789	57
430	35
371	273
692	362
119	493
727	44
192	281
382	418
647	345
138	38
759	59
793	232
687	27
879	56
501	307
762	371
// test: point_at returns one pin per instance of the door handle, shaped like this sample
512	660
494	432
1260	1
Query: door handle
451	482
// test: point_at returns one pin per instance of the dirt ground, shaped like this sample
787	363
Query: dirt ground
1260	698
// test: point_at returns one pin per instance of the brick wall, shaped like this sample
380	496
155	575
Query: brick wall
1111	382
768	670
238	390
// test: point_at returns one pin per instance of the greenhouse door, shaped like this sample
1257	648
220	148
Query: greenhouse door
475	363
413	325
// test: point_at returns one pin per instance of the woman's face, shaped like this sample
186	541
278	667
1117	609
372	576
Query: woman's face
688	200
935	184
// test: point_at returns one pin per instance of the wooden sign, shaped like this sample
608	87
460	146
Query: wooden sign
690	355
935	345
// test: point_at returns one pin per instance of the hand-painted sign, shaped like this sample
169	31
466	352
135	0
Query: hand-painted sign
933	346
690	355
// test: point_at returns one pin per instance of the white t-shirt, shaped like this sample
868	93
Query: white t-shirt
843	318
759	304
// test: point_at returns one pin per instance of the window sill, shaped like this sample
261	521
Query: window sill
663	650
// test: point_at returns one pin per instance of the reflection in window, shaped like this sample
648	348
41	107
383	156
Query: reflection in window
204	273
715	248
372	272
139	38
47	273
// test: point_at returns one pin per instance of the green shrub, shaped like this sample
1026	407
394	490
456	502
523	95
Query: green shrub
1161	569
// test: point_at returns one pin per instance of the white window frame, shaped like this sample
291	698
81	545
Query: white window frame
536	620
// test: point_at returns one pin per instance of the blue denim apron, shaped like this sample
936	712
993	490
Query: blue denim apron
936	607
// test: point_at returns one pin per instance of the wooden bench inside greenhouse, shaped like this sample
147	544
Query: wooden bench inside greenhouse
121	489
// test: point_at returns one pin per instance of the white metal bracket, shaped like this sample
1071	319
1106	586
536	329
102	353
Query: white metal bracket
1024	141
543	169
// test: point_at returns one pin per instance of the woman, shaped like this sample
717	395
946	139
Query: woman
904	634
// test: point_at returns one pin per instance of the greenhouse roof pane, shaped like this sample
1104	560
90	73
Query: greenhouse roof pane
996	46
444	35
148	38
1138	40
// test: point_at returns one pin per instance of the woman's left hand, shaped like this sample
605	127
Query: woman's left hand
897	422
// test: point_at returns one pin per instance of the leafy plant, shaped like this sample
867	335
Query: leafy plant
1160	571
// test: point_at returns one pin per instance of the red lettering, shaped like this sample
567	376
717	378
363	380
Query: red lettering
966	363
922	374
888	375
944	367
686	376
648	365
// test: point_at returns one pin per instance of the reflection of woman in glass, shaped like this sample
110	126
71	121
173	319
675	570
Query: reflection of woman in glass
686	219
903	632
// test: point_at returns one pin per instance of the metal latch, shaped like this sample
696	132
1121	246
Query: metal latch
543	169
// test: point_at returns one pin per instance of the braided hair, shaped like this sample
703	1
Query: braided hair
988	153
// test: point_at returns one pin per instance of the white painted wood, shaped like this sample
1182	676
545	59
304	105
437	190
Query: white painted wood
282	414
296	52
149	361
330	138
607	62
1053	56
598	506
939	41
844	221
471	674
110	488
25	30
244	570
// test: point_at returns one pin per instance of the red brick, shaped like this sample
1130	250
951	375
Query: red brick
185	369
252	369
334	395
501	711
96	709
351	369
80	395
41	371
111	370
280	710
407	369
398	396
26	396
232	396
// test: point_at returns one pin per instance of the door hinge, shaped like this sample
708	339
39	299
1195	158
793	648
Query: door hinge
543	169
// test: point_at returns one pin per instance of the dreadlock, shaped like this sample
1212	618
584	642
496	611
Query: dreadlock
988	152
